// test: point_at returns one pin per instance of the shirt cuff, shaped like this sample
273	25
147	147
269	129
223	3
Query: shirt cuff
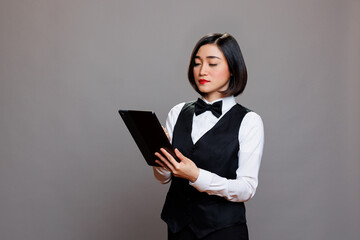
203	181
162	174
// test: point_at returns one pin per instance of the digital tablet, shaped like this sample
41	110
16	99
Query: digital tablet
148	133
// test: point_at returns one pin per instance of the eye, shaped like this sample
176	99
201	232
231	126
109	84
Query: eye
196	64
213	64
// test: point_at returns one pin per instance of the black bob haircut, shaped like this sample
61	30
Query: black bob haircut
231	50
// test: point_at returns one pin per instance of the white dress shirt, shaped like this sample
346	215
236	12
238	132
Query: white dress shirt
251	139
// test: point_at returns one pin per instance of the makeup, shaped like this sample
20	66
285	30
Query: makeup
203	81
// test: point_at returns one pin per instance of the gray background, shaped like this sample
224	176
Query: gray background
68	166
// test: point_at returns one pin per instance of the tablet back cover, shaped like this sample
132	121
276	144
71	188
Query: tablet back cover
147	132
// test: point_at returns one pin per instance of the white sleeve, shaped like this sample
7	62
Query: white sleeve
241	189
160	173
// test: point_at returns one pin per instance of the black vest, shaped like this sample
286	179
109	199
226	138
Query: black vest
216	151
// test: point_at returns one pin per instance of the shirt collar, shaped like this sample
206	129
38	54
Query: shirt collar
228	103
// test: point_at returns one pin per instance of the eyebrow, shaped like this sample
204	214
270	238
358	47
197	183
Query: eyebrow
208	57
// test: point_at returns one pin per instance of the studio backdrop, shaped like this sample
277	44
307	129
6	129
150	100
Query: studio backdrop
69	168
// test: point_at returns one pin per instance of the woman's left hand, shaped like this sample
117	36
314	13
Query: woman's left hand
184	169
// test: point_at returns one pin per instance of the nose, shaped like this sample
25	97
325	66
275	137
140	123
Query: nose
203	70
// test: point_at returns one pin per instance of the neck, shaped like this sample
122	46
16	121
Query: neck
213	97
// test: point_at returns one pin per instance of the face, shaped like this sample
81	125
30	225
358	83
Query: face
211	72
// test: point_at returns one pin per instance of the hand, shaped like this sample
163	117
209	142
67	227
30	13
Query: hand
186	168
166	132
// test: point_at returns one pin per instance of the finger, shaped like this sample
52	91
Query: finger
161	157
160	163
180	155
169	157
166	132
165	161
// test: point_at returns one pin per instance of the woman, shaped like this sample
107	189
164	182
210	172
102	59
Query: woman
219	145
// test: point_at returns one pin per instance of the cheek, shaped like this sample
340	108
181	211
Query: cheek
195	72
224	74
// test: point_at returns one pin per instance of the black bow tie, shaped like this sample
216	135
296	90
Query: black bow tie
201	106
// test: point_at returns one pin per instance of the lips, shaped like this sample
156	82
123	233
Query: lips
203	81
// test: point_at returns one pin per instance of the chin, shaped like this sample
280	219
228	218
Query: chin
202	90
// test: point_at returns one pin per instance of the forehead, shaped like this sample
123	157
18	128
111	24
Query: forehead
208	50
